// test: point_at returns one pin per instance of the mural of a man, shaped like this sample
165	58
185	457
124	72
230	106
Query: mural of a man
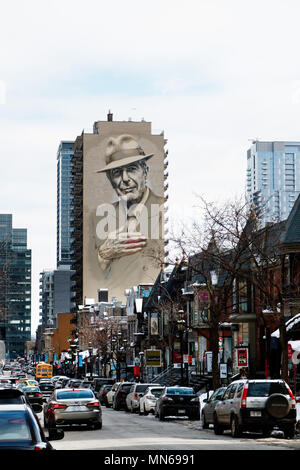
127	170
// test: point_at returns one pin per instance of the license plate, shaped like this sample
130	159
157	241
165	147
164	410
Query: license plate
181	412
75	408
255	413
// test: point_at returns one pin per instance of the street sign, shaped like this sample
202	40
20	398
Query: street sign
223	371
187	359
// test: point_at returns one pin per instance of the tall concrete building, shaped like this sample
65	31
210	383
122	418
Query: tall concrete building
55	294
64	156
273	178
15	287
118	208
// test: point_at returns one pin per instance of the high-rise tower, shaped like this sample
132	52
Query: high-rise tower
273	179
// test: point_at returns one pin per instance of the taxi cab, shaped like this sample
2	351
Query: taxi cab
28	382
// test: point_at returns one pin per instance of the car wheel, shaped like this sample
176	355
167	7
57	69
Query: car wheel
145	412
266	432
98	425
218	429
235	427
289	432
161	416
140	411
204	423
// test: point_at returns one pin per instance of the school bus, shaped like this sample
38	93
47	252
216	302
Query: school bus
43	371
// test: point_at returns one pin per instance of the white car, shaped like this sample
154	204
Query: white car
110	395
149	399
136	392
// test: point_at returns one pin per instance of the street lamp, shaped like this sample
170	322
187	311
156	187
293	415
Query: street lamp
73	349
181	328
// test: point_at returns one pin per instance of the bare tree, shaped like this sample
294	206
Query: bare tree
227	249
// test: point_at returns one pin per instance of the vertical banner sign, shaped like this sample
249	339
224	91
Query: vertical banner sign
80	360
55	358
154	323
242	357
46	358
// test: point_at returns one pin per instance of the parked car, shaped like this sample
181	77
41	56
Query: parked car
149	398
20	429
100	381
46	390
33	394
110	394
256	405
72	406
178	401
208	407
102	394
119	399
133	398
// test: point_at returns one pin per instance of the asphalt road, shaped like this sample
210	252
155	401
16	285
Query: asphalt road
124	431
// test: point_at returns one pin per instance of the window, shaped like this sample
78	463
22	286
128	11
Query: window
239	390
226	395
265	389
232	391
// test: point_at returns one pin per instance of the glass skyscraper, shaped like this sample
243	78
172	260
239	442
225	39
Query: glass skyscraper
273	179
64	156
15	287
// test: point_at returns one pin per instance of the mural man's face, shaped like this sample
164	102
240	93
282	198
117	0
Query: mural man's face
129	182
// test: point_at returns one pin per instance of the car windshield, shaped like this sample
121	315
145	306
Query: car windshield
156	392
31	389
74	394
75	384
32	382
265	389
180	391
126	387
14	426
46	387
141	388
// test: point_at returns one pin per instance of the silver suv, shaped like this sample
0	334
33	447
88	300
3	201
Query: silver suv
256	405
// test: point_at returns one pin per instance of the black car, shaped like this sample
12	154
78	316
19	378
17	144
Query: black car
100	381
20	429
119	400
102	394
33	394
12	396
178	401
207	412
46	389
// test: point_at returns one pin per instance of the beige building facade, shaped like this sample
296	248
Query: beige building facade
122	206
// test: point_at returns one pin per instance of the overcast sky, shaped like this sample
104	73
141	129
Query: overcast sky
213	74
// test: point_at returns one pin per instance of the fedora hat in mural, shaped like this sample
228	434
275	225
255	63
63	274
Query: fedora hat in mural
121	151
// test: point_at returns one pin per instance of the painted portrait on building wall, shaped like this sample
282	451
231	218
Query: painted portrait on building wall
125	238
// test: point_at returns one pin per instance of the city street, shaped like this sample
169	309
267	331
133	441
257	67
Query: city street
124	431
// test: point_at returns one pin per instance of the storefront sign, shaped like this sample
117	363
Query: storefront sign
153	357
